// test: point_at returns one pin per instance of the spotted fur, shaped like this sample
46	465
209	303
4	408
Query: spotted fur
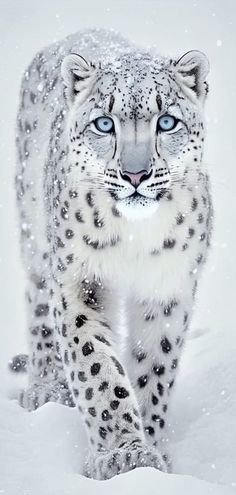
108	217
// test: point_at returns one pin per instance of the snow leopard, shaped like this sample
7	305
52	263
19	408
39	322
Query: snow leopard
115	217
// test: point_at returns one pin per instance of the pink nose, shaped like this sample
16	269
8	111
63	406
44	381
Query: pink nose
134	178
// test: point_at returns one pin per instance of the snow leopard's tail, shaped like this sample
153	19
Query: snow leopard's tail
19	363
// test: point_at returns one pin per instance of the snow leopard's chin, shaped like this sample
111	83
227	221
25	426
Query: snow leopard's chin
137	208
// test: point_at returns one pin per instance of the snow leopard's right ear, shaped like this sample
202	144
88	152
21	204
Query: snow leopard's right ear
191	71
78	75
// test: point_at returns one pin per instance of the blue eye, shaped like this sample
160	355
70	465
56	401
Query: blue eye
166	123
104	124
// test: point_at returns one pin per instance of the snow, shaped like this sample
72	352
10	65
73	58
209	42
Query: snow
42	452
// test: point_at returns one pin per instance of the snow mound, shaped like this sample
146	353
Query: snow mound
43	453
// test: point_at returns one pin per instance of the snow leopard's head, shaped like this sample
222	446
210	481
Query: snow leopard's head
136	124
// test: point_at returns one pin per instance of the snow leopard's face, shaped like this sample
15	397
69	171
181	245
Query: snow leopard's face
136	129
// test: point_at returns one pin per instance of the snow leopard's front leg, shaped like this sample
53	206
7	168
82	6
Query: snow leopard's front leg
155	338
100	386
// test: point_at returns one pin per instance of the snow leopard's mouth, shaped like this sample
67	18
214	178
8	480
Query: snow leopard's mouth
137	197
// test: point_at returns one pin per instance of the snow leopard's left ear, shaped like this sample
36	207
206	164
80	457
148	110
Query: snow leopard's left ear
78	75
191	72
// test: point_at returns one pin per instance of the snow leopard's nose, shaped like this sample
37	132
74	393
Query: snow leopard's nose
135	178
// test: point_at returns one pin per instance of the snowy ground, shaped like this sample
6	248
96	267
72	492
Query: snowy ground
41	452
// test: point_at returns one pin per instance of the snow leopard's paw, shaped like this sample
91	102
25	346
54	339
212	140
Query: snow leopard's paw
38	394
105	465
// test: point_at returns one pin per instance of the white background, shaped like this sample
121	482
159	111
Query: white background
174	26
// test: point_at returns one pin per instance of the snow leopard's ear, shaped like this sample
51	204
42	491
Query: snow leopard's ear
78	75
191	72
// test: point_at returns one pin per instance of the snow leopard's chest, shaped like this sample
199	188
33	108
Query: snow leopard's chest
153	257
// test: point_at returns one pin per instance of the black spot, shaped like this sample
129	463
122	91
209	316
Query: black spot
81	376
169	243
115	212
174	364
102	432
94	244
73	355
168	308
118	365
90	199
156	418
166	345
92	411
69	233
199	259
80	320
150	317
111	103
143	380
69	259
75	392
124	431
73	194
185	318
114	404
137	426
102	339
104	386
64	303
139	355
170	384
127	416
191	232
194	204
150	430
97	221
158	370
164	408
106	415
76	340
121	392
104	324
41	310
46	331
200	218
87	348
169	196
155	400
159	102
88	393
72	376
64	330
78	216
95	368
61	267
66	357
64	213
202	236
179	219
160	389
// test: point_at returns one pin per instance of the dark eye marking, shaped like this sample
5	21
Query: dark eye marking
159	102
111	103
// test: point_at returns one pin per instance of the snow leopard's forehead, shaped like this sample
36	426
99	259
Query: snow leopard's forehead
137	63
135	81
